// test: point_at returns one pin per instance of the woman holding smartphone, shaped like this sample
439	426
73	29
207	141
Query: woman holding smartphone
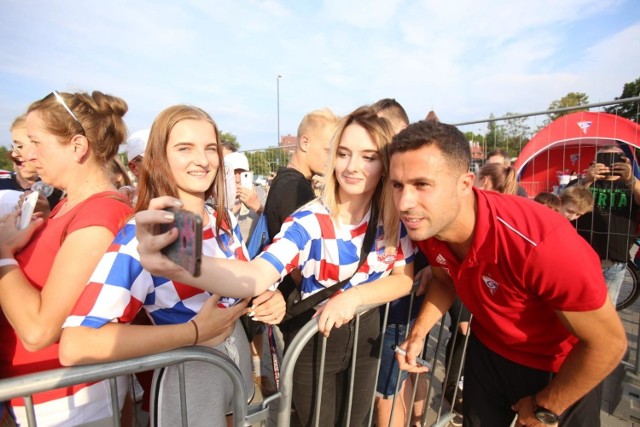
182	159
323	239
44	267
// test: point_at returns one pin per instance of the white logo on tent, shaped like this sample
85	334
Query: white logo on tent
584	126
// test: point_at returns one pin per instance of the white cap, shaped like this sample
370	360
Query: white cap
236	161
137	143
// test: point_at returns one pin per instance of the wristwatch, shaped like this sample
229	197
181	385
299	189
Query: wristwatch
544	415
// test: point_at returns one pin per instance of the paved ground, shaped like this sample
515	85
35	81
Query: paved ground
621	405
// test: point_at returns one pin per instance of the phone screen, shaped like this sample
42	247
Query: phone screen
186	250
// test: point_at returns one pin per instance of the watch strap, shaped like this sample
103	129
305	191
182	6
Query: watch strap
544	415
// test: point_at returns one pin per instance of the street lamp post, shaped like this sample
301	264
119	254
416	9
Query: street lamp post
278	101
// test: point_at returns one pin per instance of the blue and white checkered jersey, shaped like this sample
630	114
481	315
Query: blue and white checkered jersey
119	286
327	253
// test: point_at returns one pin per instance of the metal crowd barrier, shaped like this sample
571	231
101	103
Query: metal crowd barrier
432	353
243	414
27	385
437	413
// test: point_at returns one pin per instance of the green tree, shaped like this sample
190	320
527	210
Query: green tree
477	137
629	110
258	162
495	137
228	136
509	134
262	162
5	163
572	99
516	132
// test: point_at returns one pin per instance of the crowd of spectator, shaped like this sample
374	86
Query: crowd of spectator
367	204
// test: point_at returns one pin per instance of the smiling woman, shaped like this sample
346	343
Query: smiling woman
182	159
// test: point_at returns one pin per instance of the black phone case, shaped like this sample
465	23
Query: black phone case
608	159
186	250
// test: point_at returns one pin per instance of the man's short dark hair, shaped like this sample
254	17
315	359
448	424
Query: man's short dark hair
448	139
498	152
391	109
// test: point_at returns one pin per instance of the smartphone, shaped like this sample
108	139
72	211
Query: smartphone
420	361
186	250
230	187
28	205
227	302
608	159
246	179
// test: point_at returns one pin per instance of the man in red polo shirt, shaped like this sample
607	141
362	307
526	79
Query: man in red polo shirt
544	335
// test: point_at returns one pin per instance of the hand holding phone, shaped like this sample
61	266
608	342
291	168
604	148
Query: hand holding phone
186	250
609	158
28	206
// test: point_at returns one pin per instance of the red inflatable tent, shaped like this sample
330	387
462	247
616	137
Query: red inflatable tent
567	146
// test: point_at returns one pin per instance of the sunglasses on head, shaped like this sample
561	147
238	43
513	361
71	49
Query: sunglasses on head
60	100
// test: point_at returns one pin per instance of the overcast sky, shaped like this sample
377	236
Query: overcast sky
463	59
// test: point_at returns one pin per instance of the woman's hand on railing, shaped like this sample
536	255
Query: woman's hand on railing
338	310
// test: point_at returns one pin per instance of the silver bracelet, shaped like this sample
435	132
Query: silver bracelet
632	182
8	261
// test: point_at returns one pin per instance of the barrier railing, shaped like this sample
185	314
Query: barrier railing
243	414
431	352
27	385
436	413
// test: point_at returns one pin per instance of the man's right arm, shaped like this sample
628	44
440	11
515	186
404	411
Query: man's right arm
601	346
439	297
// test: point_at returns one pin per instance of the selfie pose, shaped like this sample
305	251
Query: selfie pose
325	240
45	266
182	159
610	227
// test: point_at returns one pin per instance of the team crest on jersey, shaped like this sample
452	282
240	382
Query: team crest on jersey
385	255
441	260
387	258
491	284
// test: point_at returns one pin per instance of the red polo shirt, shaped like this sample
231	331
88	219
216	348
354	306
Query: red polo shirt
526	261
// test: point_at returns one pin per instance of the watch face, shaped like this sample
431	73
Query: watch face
546	416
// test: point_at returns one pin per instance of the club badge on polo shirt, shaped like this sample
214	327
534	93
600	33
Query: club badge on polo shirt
440	259
491	284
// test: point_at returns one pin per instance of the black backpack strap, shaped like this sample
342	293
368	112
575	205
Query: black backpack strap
327	293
